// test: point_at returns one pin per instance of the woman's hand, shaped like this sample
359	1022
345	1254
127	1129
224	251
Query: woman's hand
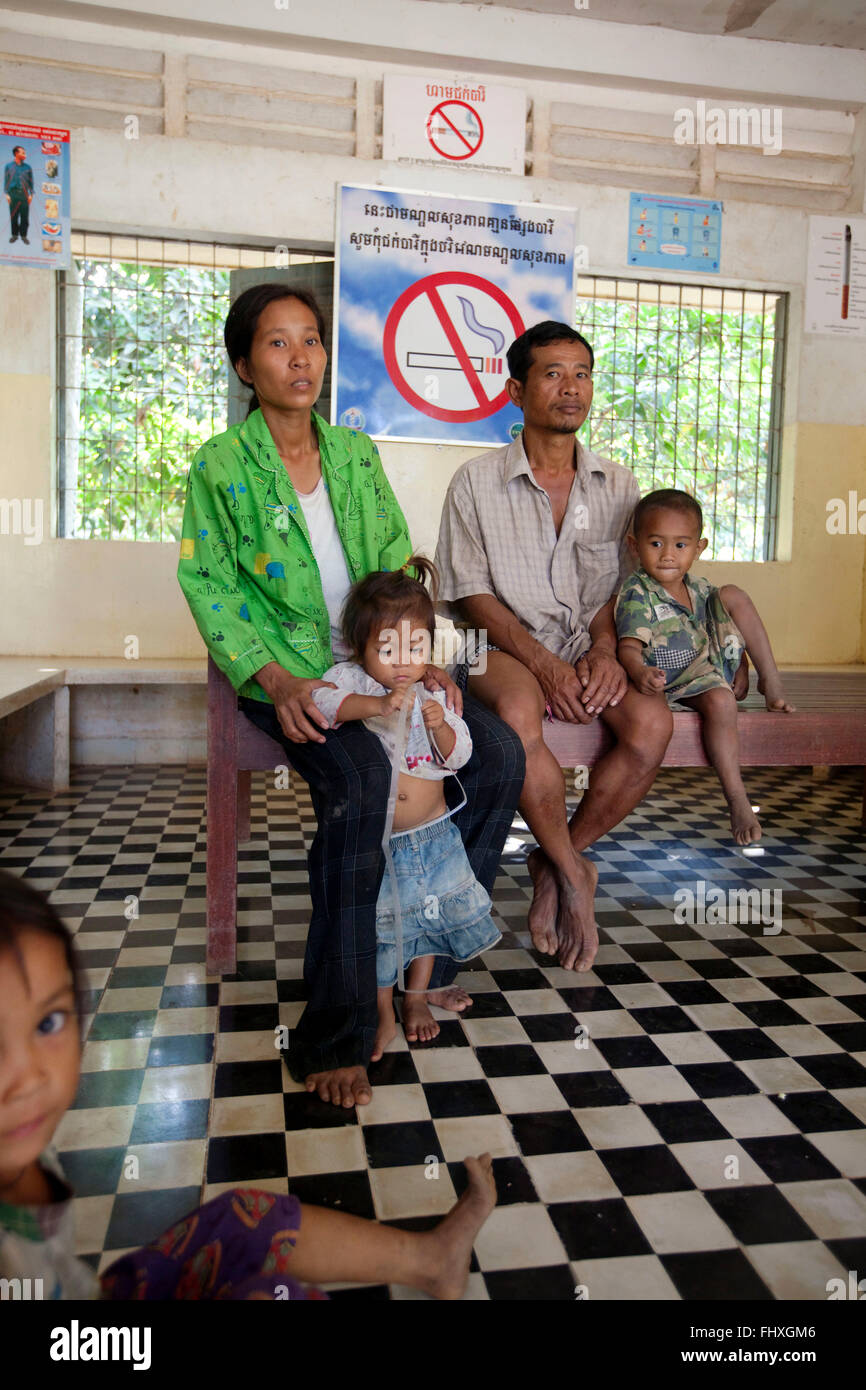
299	718
437	679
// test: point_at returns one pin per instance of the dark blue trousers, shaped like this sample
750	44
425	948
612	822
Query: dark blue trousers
349	777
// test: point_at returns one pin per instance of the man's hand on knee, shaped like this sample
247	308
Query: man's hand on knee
603	680
563	691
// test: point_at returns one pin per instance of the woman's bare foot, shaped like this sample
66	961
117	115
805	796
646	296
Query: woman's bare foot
419	1025
343	1086
545	903
744	823
774	695
450	1244
387	1027
576	927
450	997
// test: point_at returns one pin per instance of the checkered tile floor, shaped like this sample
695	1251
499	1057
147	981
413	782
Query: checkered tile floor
708	1140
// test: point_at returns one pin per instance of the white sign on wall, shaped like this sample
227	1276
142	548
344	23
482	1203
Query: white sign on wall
436	119
836	277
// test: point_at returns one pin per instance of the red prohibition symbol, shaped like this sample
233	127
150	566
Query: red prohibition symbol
429	287
441	112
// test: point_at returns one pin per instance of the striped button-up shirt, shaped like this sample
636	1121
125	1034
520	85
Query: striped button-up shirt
497	536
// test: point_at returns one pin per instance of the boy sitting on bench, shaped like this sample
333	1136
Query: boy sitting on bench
682	637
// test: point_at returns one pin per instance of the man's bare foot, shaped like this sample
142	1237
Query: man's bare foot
545	903
419	1025
451	1242
344	1086
576	926
450	997
741	679
744	823
387	1028
774	696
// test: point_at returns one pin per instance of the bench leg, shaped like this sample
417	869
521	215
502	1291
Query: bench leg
244	793
222	867
34	744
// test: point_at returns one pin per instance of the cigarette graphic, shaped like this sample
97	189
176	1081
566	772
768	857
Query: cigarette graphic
447	362
846	273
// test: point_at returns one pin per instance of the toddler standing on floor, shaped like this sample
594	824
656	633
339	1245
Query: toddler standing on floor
682	637
389	625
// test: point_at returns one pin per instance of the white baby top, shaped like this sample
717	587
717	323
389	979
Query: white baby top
330	557
421	757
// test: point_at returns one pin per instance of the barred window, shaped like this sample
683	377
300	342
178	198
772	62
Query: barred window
688	394
143	379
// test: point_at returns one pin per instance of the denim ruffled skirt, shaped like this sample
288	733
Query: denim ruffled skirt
443	908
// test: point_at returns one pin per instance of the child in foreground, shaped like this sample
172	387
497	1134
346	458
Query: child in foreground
682	637
389	625
244	1244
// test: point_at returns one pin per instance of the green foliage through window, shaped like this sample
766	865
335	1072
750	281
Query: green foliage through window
688	394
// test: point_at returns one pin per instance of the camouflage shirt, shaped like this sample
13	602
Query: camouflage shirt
247	567
697	649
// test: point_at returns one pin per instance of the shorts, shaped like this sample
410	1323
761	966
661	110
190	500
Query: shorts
238	1246
471	653
714	667
443	908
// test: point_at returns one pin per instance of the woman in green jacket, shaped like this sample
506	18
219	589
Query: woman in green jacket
284	512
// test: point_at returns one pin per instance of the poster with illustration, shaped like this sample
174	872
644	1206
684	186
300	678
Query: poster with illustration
35	227
431	293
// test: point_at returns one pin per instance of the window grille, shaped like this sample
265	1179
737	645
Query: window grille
688	394
143	379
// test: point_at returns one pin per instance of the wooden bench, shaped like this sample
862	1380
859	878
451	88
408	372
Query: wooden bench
829	728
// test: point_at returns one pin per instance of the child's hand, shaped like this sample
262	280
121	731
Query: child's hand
394	701
650	681
433	715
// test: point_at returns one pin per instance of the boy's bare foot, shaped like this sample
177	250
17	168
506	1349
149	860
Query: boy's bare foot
387	1028
741	679
343	1086
452	1240
774	696
545	903
450	997
576	926
744	823
419	1025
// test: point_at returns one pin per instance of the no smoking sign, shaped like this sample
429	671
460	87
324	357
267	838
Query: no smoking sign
455	129
444	346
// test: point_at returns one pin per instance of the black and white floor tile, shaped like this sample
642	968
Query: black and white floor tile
685	1121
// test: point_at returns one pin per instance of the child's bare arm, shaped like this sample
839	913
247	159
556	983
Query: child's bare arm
649	680
364	707
439	730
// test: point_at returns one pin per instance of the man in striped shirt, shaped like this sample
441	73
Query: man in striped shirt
532	552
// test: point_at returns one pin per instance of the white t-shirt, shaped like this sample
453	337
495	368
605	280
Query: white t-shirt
330	557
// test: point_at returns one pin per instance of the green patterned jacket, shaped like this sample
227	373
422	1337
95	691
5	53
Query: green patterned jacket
247	568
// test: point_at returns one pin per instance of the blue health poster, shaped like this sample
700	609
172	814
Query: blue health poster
673	233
